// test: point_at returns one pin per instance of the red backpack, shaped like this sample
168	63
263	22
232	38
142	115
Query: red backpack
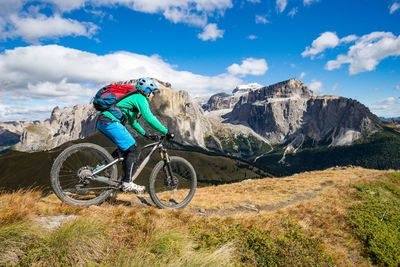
108	97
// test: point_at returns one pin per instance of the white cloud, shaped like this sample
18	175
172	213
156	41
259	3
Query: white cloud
177	15
13	18
281	5
32	29
250	66
389	100
24	111
147	6
252	37
69	92
302	75
309	2
367	52
211	32
67	5
324	41
55	75
387	107
316	86
349	38
394	7
32	25
293	12
261	19
53	63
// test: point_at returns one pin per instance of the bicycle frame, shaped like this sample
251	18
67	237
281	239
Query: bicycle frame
156	145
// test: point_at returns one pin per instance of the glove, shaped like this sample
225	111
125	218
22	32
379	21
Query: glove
170	136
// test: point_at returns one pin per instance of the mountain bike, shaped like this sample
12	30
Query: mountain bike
86	174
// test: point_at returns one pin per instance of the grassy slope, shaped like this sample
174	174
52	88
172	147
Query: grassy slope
342	216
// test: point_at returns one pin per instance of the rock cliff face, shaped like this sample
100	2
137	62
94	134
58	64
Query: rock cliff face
70	124
228	101
288	110
183	116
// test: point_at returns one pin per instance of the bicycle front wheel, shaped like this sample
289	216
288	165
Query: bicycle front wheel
176	191
71	175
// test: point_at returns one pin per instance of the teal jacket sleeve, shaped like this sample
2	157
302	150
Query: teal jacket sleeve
144	109
135	125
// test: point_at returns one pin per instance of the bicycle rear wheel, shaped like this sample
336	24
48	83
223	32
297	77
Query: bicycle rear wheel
71	172
173	192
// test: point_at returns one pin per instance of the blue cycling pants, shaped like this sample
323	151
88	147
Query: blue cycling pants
117	133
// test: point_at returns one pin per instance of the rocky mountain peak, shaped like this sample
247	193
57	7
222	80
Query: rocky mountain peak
245	88
228	101
286	89
55	114
289	111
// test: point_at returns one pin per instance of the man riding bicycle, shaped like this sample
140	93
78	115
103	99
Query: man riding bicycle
131	108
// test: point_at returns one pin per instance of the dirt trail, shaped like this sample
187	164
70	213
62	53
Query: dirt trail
274	194
263	195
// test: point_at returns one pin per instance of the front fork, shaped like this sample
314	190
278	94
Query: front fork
170	180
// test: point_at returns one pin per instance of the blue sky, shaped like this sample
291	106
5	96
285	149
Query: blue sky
58	52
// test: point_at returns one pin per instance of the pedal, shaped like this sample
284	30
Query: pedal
138	192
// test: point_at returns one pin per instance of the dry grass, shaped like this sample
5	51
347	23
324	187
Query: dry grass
126	232
18	206
271	191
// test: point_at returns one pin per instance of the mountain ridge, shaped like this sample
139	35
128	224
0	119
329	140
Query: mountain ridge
275	114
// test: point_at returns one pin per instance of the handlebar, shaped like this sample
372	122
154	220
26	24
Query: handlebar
158	138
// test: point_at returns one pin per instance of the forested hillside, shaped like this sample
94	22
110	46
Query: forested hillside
380	151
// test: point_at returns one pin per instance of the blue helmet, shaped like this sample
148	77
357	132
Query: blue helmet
146	85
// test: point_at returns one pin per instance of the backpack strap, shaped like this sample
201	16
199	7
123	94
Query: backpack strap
132	109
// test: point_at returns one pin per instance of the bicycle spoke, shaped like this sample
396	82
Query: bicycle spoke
74	180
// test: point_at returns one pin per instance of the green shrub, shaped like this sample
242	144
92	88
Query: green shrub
376	221
13	239
394	177
257	247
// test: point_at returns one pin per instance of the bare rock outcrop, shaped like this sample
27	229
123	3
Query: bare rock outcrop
63	126
228	101
286	110
10	132
179	113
